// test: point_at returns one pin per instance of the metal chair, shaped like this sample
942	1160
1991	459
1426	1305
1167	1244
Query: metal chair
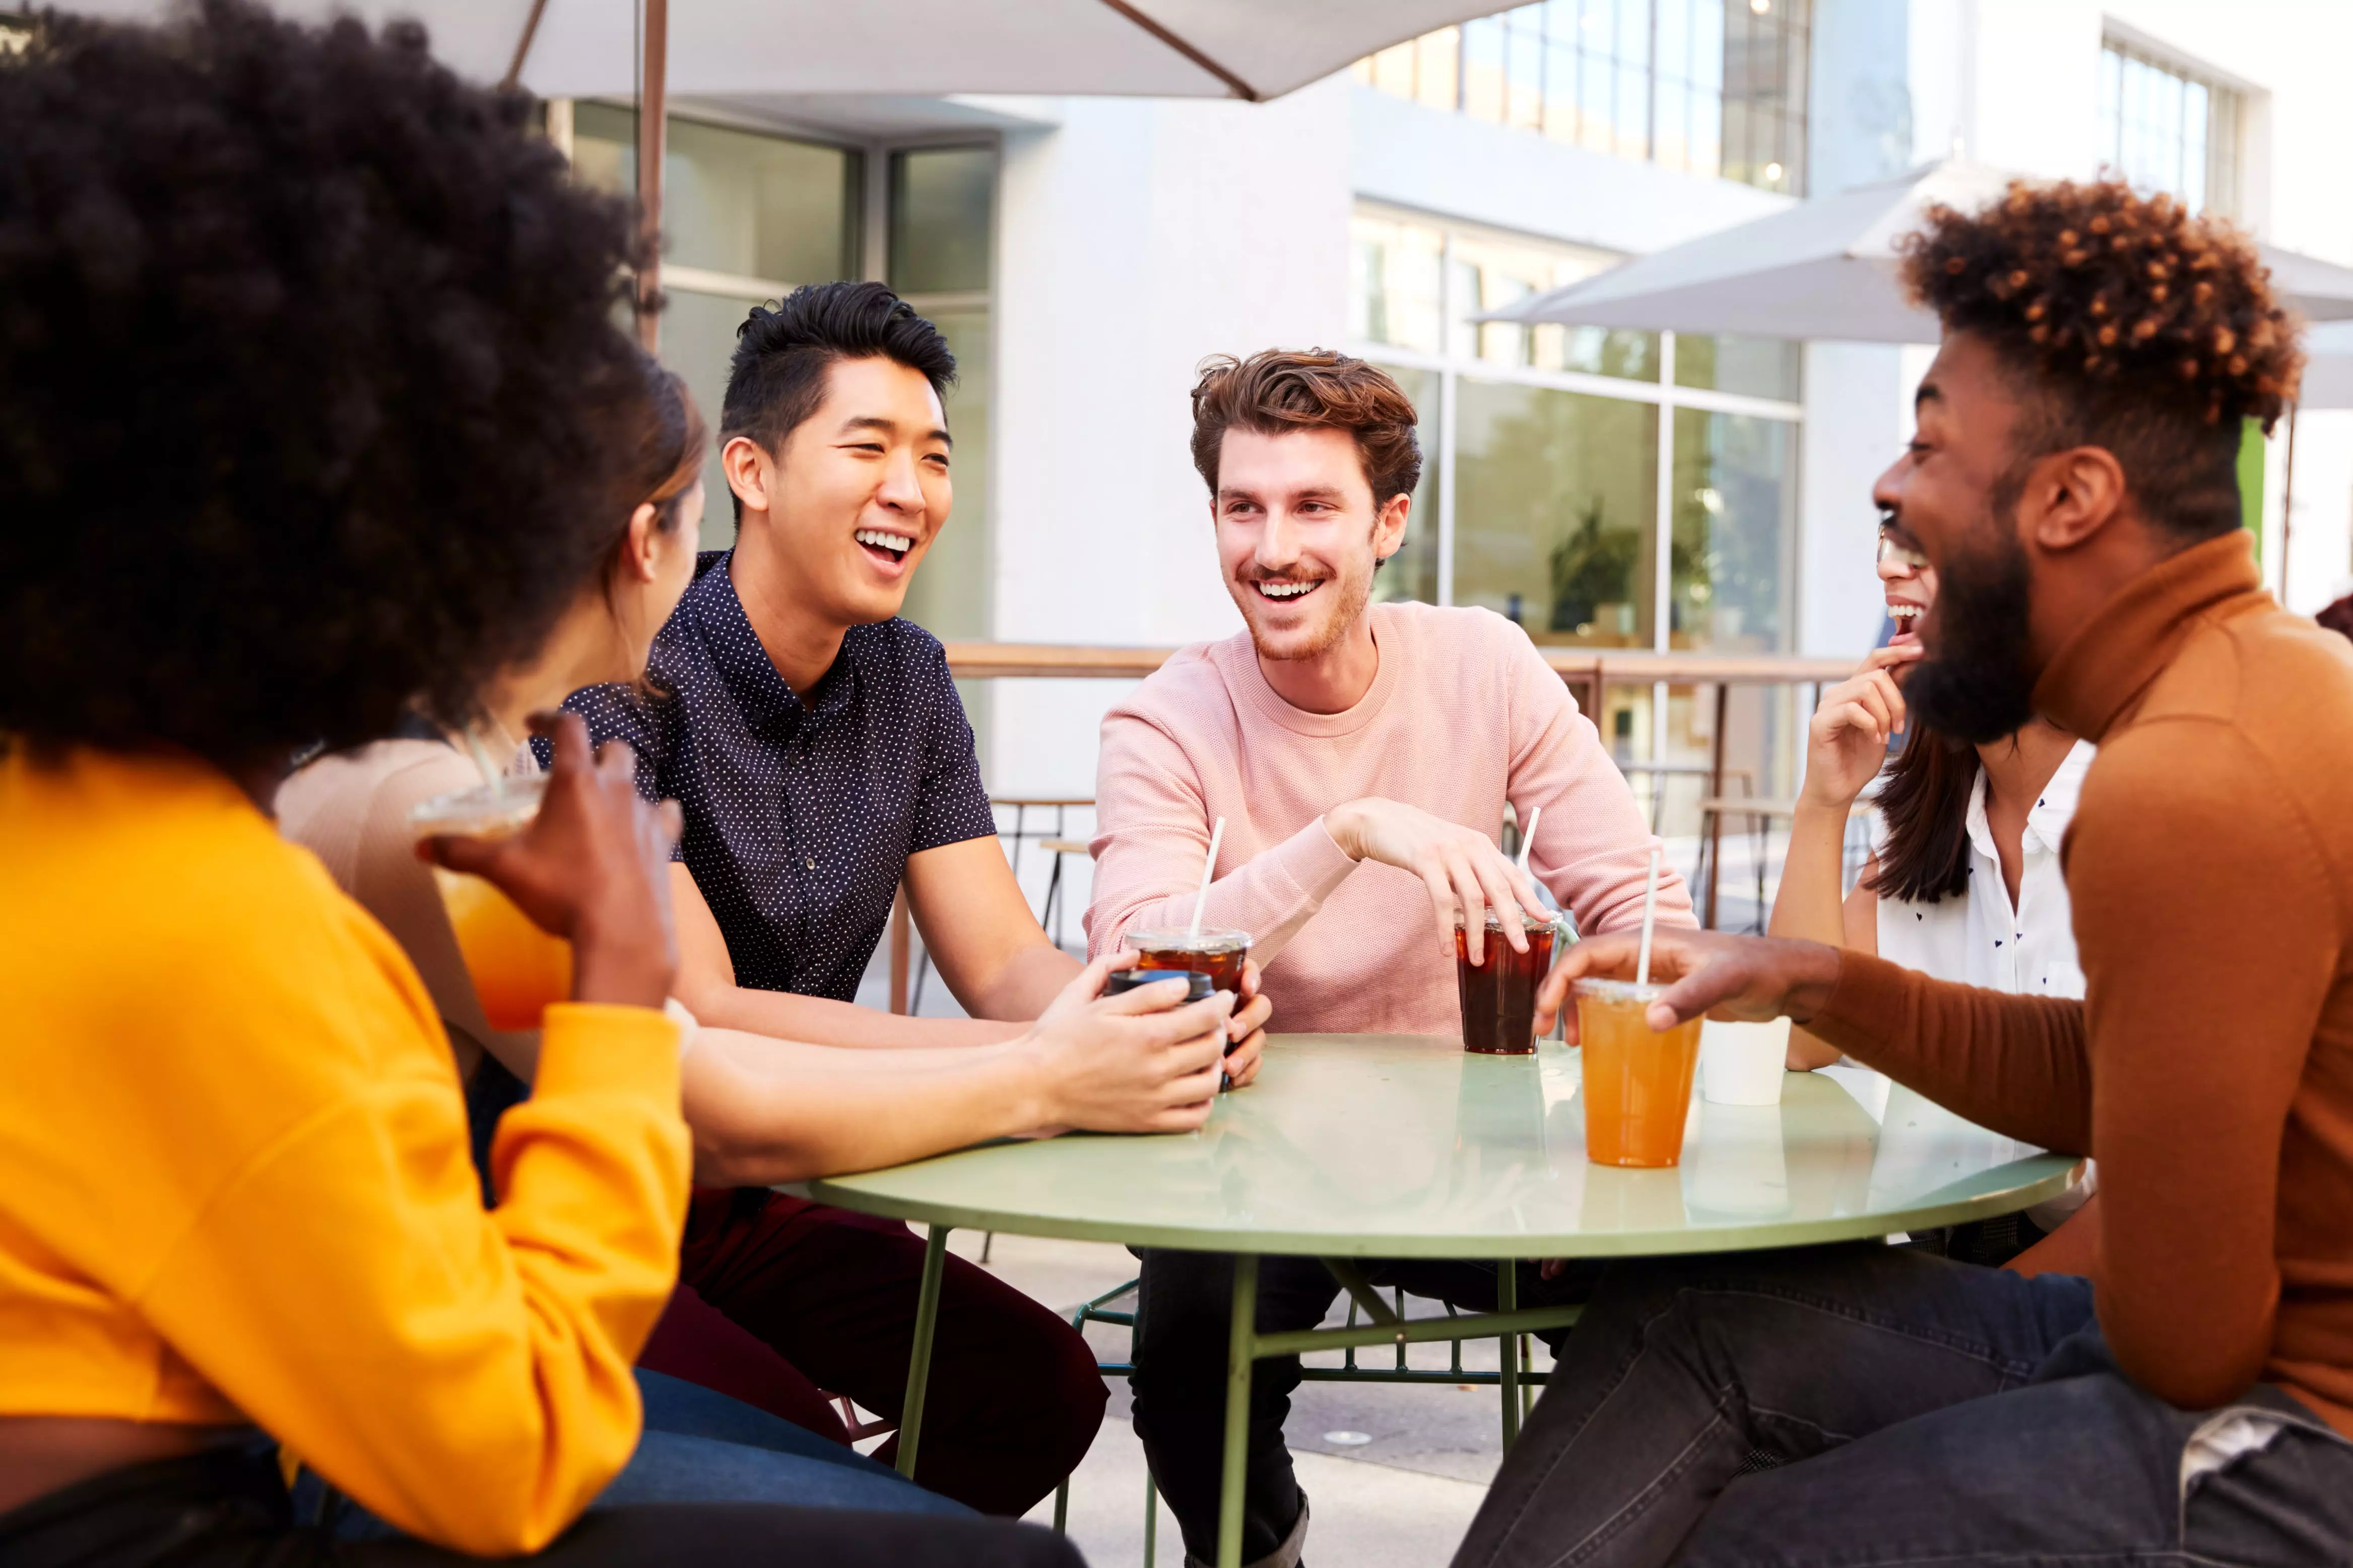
1101	1310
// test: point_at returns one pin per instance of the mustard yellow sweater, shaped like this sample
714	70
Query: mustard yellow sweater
234	1182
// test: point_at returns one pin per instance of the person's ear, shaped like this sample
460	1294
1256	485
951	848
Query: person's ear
2070	497
751	473
644	543
1388	525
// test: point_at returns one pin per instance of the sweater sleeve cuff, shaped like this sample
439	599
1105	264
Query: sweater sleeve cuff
595	1046
1867	1006
1313	861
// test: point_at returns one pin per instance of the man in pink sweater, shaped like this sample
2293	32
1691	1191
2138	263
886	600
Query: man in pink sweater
1361	756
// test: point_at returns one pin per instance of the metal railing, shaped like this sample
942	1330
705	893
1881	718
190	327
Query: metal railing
1587	672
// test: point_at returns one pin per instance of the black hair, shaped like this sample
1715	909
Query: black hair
309	371
1924	798
782	351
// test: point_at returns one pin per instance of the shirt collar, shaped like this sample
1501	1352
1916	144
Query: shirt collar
761	694
2046	820
2113	657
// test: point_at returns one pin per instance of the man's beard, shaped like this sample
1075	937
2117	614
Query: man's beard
1352	595
1979	685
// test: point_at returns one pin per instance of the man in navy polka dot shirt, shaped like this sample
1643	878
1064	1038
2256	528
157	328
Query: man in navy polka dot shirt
820	754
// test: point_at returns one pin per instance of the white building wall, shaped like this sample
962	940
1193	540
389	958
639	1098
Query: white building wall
2030	92
1135	240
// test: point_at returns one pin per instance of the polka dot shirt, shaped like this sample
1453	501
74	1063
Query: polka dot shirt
800	812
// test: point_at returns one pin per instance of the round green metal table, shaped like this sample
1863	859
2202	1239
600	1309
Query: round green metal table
1364	1146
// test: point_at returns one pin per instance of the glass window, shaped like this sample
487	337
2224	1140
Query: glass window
2164	128
1734	505
1394	282
697	341
1754	367
1412	572
1707	86
1490	274
940	199
1554	493
735	201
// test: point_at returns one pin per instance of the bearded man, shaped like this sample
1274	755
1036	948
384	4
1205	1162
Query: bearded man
1361	756
2191	1401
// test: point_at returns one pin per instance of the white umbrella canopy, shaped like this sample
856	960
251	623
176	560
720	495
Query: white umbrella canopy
1251	49
1827	268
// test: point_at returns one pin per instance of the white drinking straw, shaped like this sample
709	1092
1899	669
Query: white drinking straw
1209	868
1650	917
491	775
1528	839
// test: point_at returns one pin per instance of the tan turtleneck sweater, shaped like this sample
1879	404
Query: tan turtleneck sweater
2209	1066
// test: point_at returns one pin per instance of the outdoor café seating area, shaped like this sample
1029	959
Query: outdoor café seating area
907	782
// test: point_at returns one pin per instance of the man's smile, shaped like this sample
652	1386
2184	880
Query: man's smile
1286	590
883	546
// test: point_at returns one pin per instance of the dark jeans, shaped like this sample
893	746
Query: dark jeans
699	1446
1867	1405
1184	1313
226	1509
1014	1398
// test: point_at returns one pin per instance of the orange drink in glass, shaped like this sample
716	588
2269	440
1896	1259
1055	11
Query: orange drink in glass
1637	1081
517	968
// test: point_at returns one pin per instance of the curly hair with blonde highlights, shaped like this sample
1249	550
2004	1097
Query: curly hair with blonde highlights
2130	323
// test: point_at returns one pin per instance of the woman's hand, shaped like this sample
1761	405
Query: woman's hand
1130	1063
1462	867
593	868
1247	1028
1846	743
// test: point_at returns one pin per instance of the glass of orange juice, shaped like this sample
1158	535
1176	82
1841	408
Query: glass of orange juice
517	968
1637	1081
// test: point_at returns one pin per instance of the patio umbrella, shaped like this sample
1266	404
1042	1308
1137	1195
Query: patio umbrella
1252	50
1249	50
1827	268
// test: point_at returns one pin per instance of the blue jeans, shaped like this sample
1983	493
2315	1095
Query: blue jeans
703	1448
1869	1405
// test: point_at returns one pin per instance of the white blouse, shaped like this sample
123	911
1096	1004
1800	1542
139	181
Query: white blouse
1976	937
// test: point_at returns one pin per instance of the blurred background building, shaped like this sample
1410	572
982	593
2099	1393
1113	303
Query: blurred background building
1613	489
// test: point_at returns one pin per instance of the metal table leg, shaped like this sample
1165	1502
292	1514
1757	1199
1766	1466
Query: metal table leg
1241	1350
1507	1299
918	1367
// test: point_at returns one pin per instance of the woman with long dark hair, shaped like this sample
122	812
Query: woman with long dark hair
1966	883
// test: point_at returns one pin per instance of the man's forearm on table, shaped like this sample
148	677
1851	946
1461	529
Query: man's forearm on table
820	1020
1025	985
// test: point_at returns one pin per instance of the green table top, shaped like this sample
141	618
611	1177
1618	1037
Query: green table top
1403	1146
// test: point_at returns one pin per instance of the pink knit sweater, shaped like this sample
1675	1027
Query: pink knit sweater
1463	716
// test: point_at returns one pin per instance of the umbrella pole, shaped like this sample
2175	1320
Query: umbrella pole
652	104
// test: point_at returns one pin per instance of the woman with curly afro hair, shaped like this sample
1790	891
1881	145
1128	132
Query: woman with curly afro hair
2181	1389
311	408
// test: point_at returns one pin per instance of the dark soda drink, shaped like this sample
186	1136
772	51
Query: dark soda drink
1499	994
1220	954
1198	988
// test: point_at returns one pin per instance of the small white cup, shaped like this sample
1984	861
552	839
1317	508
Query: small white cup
1744	1064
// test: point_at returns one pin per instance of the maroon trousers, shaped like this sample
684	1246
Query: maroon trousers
781	1297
